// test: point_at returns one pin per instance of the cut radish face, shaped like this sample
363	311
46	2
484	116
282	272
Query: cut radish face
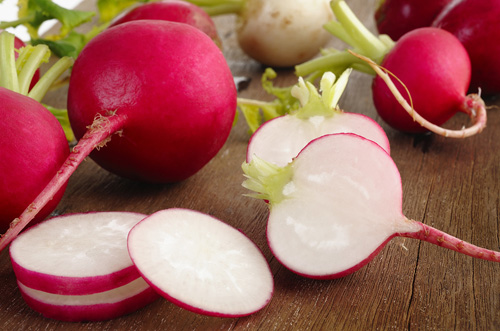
335	206
200	263
76	254
281	139
92	307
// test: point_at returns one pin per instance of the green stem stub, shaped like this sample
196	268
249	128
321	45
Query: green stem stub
266	179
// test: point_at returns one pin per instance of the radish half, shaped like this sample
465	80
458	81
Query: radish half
201	263
91	307
282	138
76	254
336	205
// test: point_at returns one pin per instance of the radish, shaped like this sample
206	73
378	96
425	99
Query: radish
175	11
276	33
32	143
77	254
336	205
397	17
431	65
201	263
168	93
477	25
318	115
92	307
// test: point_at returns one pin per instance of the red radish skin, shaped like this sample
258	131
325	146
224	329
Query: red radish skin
328	215
174	11
172	118
476	23
33	147
435	68
201	263
76	254
90	308
397	17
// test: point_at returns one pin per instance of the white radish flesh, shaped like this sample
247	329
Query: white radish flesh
201	263
101	306
336	205
76	254
281	139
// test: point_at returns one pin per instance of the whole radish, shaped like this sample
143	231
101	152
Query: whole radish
167	92
276	33
336	205
397	17
476	23
431	66
175	11
32	142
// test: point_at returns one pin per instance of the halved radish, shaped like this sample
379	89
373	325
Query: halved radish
281	139
201	263
92	307
76	254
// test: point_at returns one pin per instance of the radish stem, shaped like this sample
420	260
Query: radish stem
98	134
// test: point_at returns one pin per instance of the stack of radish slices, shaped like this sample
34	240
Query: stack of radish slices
99	266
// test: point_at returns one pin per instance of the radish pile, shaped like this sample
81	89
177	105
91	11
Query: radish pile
98	266
336	205
431	66
167	93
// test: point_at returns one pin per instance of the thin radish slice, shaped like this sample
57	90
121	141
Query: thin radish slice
201	263
92	307
336	205
76	254
281	139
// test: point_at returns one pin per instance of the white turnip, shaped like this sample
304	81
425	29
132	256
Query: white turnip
76	254
281	139
431	65
276	33
336	205
168	93
100	306
175	11
476	23
201	263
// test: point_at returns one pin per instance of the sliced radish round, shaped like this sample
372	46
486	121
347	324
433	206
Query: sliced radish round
92	307
76	254
201	263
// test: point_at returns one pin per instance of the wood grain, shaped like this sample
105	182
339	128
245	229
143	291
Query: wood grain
453	185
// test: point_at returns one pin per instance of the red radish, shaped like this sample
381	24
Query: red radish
168	93
32	142
431	66
175	11
476	23
397	17
77	254
92	307
201	263
281	139
276	33
336	205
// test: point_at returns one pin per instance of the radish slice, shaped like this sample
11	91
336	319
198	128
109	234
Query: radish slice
92	307
76	254
281	139
201	263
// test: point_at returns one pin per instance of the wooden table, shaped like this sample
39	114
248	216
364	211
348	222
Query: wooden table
453	185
